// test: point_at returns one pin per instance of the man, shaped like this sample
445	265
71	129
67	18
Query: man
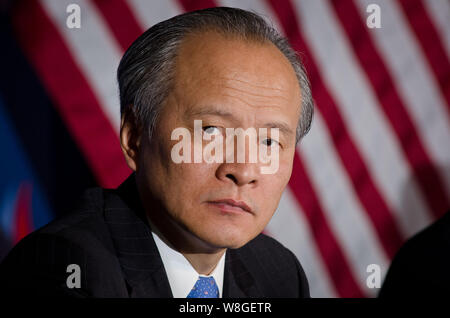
185	229
422	266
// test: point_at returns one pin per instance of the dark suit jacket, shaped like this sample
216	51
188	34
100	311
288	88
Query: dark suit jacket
422	266
108	236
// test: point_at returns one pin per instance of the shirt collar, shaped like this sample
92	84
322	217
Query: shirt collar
180	273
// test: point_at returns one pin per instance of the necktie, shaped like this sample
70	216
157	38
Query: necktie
205	287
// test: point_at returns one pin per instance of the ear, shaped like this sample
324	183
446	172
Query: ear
130	138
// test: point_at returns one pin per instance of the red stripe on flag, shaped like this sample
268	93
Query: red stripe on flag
120	20
333	257
192	5
70	92
430	43
392	105
378	211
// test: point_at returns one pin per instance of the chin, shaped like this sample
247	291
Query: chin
230	238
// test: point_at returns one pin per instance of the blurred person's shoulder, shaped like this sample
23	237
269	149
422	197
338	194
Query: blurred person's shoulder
421	266
432	238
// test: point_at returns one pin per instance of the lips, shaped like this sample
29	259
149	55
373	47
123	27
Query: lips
230	205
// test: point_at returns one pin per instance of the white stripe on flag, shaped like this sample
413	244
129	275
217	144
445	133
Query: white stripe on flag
290	228
343	211
439	11
258	6
349	86
94	50
148	13
415	83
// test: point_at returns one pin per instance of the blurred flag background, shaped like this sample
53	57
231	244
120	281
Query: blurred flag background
373	171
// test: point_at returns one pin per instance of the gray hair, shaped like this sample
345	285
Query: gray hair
146	70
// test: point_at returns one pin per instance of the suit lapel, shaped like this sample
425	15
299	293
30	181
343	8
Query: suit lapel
136	250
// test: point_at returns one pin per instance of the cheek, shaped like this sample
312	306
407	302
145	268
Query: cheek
186	183
194	175
275	183
272	187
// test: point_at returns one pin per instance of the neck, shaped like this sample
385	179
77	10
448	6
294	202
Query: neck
204	264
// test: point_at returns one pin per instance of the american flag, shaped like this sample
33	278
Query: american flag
373	171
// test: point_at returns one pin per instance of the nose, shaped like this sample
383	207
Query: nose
239	173
240	166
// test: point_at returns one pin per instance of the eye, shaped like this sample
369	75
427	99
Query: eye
211	130
269	142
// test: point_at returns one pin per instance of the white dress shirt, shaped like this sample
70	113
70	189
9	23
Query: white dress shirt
182	276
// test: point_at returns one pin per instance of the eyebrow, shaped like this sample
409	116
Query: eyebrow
211	111
205	111
282	126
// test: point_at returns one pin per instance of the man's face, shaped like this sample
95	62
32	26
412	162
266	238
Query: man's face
226	83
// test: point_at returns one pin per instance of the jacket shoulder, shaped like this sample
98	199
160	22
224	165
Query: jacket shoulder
39	263
275	267
88	209
84	225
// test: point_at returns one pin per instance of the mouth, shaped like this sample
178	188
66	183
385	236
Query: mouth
231	206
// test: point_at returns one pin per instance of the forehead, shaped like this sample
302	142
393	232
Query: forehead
252	74
208	55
